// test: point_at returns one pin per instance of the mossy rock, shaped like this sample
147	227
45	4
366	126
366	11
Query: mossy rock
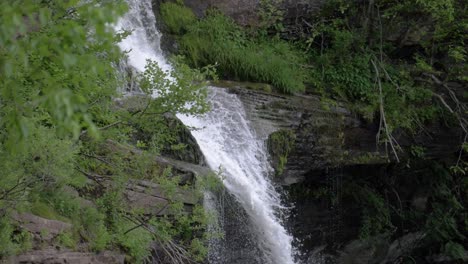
280	144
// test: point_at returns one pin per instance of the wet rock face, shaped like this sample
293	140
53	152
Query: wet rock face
330	135
323	136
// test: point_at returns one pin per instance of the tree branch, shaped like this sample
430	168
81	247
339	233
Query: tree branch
382	112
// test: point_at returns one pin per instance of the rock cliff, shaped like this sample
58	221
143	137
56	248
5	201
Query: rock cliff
329	135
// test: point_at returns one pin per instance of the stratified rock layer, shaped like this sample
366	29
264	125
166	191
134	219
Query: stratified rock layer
329	135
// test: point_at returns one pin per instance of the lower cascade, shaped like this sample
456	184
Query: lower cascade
228	143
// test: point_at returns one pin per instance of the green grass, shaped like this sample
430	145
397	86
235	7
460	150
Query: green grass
176	17
217	40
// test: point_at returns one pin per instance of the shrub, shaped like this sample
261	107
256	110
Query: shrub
11	241
135	242
94	230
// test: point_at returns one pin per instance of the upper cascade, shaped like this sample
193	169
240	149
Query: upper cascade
144	41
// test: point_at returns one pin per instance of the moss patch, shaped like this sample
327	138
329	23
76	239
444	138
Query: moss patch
280	145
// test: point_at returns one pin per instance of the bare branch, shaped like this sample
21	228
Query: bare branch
382	112
443	102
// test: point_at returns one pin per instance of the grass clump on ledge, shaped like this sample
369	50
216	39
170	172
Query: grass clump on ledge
177	17
217	40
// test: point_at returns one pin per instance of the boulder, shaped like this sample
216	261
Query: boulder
403	246
368	251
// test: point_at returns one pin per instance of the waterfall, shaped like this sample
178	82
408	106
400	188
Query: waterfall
144	42
226	140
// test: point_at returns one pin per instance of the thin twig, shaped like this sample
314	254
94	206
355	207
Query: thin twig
443	102
133	228
111	125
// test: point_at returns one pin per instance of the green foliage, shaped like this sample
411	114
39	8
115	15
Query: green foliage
44	162
94	229
461	167
55	58
136	242
12	241
51	66
440	10
181	91
446	222
198	249
271	15
67	240
211	183
136	238
6	231
58	85
455	250
417	151
63	202
44	210
354	37
175	90
375	214
177	17
217	40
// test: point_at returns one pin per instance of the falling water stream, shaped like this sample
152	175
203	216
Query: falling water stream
227	142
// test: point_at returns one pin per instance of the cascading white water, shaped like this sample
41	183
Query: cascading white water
225	138
144	42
